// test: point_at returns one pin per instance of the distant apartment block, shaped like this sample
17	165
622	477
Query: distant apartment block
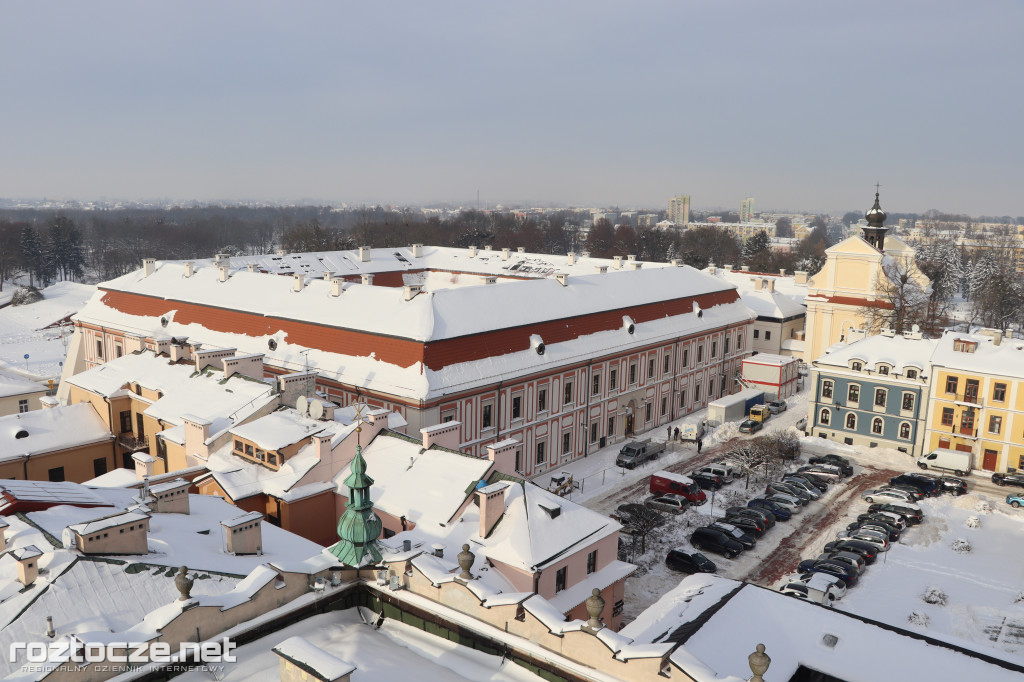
679	209
747	210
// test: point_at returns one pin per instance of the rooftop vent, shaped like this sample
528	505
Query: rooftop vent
368	280
364	254
412	290
505	253
298	282
251	267
490	280
631	258
570	258
487	247
562	278
521	249
472	252
537	343
328	275
617	262
628	325
148	266
602	269
190	268
225	272
417	250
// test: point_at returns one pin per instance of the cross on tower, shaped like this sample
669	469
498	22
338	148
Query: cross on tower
877	185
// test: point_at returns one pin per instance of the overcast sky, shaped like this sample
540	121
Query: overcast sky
803	105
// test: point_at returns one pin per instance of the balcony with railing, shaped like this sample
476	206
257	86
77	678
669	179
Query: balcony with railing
129	442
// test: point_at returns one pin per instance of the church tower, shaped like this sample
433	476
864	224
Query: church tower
358	527
874	233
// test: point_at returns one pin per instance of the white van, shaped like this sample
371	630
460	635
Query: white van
948	460
724	471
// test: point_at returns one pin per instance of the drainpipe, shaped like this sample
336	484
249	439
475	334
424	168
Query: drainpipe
497	415
24	463
587	388
675	353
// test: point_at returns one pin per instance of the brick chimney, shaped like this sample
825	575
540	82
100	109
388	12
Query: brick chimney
445	435
504	454
492	505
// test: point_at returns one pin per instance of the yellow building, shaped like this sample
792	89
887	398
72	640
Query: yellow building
848	292
977	398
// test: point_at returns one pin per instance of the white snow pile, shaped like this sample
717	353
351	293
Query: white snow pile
983	507
918	618
961	546
973	522
934	595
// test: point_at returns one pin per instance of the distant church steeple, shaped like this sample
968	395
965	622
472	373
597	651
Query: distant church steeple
874	233
358	527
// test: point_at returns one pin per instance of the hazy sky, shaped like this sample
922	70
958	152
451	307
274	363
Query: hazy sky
803	105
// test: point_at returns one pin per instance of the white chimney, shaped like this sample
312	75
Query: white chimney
417	250
674	262
571	258
411	290
298	281
487	247
148	266
617	262
601	269
328	275
758	283
364	254
224	272
190	268
782	272
505	253
368	280
521	249
728	267
745	268
771	285
799	277
336	286
562	278
282	252
472	252
637	265
251	267
490	280
631	258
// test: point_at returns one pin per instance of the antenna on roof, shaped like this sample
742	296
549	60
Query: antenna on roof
301	404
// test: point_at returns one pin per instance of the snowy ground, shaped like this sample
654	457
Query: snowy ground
22	331
391	653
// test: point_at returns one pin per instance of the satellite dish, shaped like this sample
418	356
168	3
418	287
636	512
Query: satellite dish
316	409
301	404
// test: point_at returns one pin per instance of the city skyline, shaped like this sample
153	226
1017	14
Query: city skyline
579	104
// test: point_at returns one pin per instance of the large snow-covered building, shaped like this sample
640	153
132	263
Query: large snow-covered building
565	354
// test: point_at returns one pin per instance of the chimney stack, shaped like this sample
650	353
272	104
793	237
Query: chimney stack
148	266
368	280
521	249
411	291
190	268
336	286
417	250
364	254
472	252
505	253
492	505
224	272
298	282
562	278
571	256
328	275
490	280
617	262
771	286
251	267
602	269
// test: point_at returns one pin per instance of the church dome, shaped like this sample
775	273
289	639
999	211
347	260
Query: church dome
875	215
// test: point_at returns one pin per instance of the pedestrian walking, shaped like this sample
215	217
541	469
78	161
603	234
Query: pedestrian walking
700	444
669	436
676	434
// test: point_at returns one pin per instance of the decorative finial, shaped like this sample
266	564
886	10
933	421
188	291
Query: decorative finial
183	583
759	662
466	559
595	607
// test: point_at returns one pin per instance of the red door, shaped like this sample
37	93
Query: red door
989	463
965	448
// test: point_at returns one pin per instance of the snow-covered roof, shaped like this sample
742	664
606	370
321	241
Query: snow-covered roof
312	659
796	633
29	552
279	430
529	536
13	384
424	486
183	390
1005	359
169	485
771	359
899	352
49	430
429	316
244	518
104	522
785	302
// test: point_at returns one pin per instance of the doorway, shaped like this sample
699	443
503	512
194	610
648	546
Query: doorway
629	425
989	461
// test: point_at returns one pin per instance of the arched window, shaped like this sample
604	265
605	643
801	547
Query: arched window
825	417
851	421
876	425
905	430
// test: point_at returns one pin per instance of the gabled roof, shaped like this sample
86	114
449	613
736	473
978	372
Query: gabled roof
49	430
13	385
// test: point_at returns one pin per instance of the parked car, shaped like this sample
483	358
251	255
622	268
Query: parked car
915	493
801	591
885	517
820	483
865	549
1015	500
876	538
674	504
791	504
821	581
714	540
826	471
788	489
852	558
725	472
953	485
707	481
802	485
669	483
1009	479
765	516
695	562
750	426
928	485
845	467
911	512
747	524
777	510
892	533
747	540
837	568
777	406
885	495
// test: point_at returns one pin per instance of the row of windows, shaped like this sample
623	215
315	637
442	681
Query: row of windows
971	389
258	454
995	422
877	424
92	538
881	395
883	369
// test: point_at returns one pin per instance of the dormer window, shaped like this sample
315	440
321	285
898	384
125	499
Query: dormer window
911	373
883	369
964	345
856	366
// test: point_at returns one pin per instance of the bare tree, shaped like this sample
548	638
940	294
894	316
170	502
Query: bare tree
641	522
901	297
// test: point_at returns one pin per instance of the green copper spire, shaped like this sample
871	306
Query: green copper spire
358	527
